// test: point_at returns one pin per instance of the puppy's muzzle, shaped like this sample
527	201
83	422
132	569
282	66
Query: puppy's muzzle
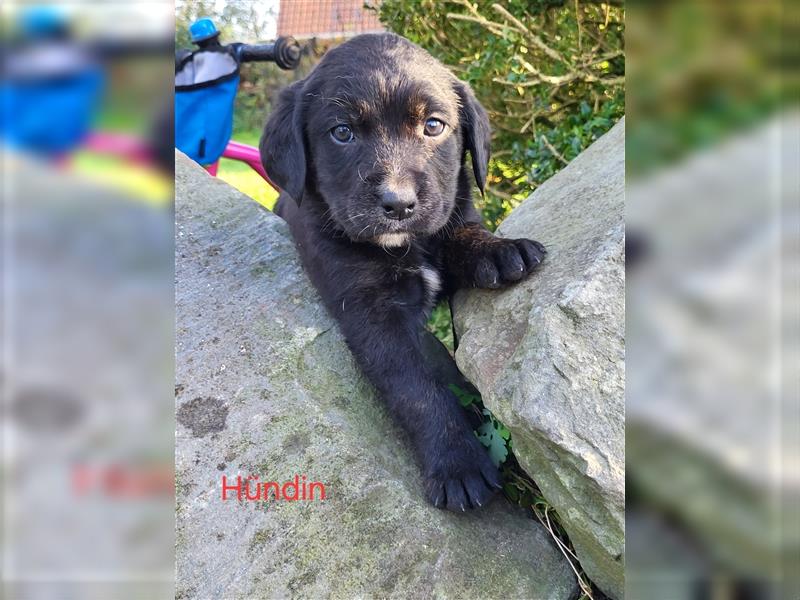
398	203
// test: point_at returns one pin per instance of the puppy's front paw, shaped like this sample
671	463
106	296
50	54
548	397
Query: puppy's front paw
499	262
461	476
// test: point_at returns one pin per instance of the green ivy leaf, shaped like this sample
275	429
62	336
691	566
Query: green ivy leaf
490	437
464	397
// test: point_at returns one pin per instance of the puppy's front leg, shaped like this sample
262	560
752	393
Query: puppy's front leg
474	257
384	336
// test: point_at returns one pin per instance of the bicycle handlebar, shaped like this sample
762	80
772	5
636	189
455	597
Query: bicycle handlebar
285	52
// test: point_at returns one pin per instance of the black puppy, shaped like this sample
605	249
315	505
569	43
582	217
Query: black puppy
371	148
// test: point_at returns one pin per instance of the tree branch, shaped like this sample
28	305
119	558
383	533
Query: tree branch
553	151
537	41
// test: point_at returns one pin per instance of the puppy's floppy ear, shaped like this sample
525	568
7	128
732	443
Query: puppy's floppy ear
476	131
282	145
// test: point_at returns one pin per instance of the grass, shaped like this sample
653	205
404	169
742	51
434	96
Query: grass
243	178
247	181
141	182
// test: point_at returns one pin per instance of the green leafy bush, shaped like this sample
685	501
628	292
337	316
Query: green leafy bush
550	73
440	324
702	71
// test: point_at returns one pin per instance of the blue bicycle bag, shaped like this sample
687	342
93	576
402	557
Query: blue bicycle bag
205	89
48	105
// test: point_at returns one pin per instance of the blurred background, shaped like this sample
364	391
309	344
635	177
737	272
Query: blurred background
713	148
713	135
87	298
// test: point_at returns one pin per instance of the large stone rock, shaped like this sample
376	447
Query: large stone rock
548	354
266	386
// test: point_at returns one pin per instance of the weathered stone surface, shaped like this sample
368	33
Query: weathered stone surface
713	422
265	385
548	354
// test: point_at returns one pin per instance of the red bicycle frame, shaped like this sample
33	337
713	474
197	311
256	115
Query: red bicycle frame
246	154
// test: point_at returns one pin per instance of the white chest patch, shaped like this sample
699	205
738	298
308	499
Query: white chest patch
391	240
432	282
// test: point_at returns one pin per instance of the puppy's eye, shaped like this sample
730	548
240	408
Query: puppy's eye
433	127
342	134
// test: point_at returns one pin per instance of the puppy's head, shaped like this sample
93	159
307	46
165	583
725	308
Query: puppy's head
379	130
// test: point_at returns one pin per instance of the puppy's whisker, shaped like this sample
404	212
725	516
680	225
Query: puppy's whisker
352	218
362	231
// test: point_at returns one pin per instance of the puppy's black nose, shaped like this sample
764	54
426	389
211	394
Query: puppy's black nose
397	206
